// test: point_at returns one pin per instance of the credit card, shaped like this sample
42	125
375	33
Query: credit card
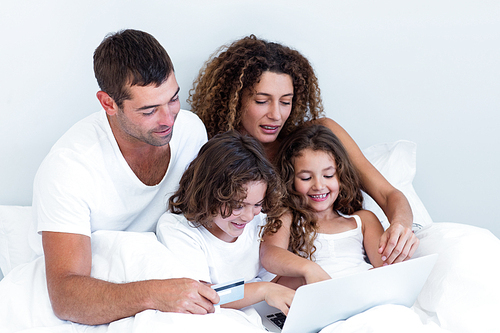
230	291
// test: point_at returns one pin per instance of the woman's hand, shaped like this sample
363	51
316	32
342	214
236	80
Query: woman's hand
398	243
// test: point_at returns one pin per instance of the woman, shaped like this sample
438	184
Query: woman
267	90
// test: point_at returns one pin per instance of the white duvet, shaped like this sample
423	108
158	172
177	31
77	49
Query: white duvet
461	295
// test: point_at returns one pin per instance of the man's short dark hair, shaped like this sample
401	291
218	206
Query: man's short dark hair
130	57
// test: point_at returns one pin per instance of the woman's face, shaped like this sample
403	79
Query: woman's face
266	108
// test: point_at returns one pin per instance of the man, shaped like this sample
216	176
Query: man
114	170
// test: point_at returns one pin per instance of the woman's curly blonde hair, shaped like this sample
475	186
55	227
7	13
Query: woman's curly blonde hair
216	93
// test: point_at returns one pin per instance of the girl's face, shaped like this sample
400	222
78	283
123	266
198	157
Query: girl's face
316	178
230	228
265	112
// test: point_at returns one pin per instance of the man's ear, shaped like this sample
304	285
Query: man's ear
107	103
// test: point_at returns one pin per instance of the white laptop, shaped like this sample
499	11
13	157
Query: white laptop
319	304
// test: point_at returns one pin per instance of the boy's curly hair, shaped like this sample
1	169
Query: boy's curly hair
215	181
217	92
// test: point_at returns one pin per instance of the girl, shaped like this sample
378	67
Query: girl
267	90
220	197
325	232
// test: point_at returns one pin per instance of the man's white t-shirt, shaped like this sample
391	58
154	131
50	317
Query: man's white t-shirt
85	184
210	259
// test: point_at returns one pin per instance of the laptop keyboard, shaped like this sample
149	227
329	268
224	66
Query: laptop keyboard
277	318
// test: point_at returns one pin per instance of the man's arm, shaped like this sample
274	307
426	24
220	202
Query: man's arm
77	297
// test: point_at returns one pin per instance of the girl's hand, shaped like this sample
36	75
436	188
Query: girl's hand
398	243
314	273
279	296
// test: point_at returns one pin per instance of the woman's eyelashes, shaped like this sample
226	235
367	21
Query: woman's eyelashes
284	103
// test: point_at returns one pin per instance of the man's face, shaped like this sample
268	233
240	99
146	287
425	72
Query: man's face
149	115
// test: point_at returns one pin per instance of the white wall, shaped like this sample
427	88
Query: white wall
426	71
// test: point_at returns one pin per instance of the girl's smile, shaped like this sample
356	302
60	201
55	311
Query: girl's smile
319	197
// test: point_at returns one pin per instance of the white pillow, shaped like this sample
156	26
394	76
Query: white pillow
14	247
397	162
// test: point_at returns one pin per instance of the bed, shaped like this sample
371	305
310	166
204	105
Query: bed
462	294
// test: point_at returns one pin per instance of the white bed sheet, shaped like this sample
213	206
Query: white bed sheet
462	292
453	299
117	257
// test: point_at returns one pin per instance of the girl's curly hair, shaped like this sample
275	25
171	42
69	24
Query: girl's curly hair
217	92
303	229
215	181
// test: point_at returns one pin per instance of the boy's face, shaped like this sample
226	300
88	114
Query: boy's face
230	228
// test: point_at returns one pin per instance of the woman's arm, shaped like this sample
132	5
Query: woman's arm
397	241
276	258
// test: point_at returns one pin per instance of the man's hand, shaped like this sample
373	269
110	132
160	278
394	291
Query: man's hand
185	296
398	243
78	297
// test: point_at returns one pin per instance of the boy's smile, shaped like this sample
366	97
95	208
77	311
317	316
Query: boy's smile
230	228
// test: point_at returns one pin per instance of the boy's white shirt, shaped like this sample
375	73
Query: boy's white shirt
207	257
